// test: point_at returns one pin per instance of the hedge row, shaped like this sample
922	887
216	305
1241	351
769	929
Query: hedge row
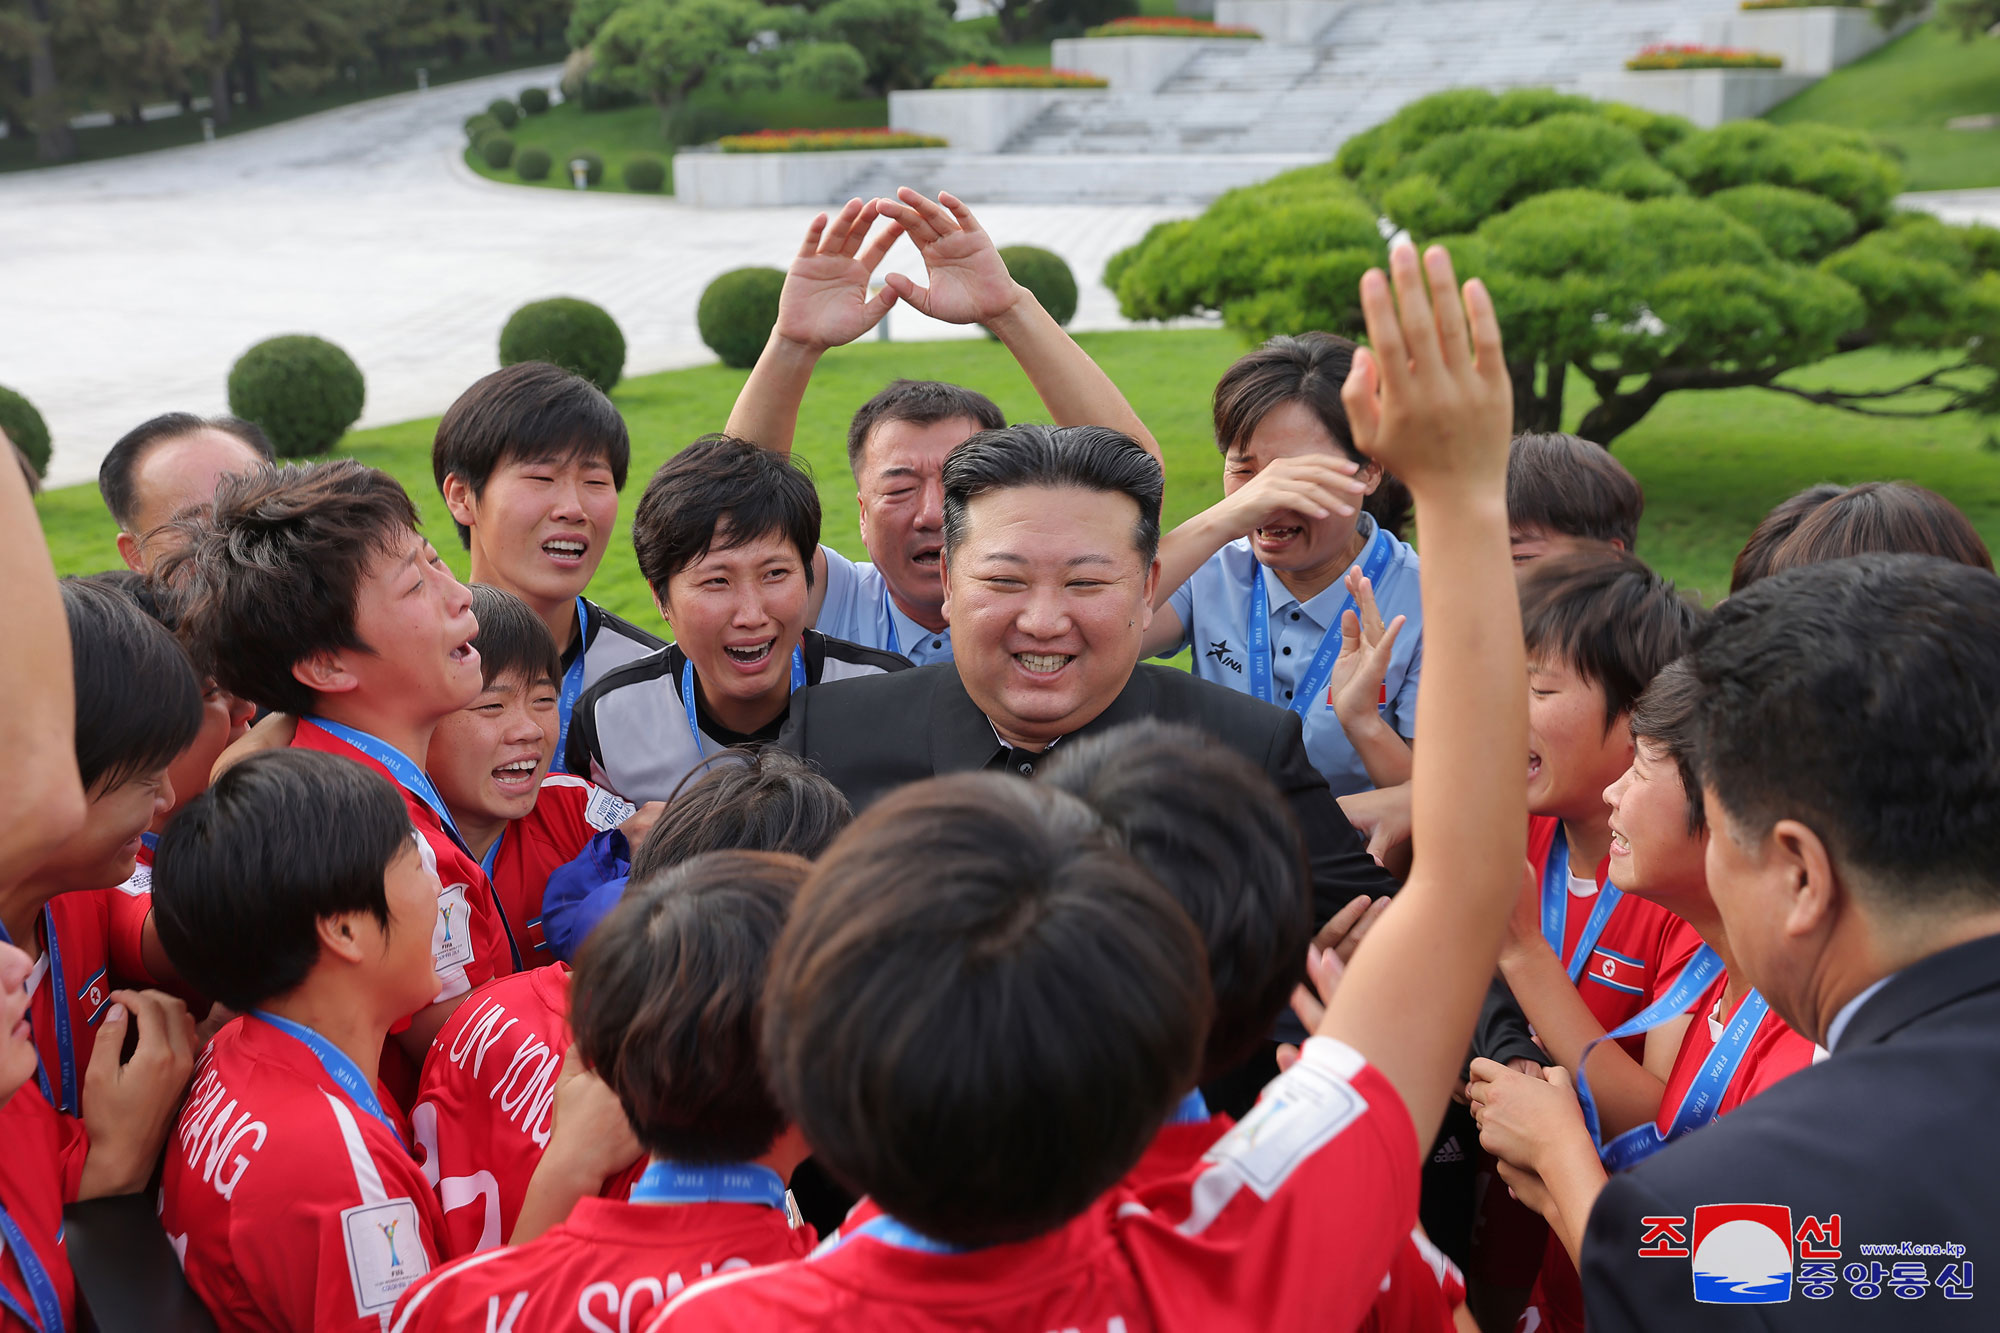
824	141
1702	57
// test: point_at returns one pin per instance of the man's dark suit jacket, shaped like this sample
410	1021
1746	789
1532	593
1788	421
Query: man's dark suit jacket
871	735
1893	1133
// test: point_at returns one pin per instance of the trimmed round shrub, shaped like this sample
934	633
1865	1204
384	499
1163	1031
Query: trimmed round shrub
532	164
25	427
576	335
534	101
505	112
1046	275
497	149
737	311
645	173
593	166
479	126
303	391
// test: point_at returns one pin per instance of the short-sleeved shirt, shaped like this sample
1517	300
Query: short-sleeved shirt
291	1205
39	1172
97	950
607	642
631	733
568	813
610	1266
858	608
1289	1221
1214	610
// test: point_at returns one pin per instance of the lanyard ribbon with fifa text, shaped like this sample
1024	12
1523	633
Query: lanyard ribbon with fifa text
406	771
68	1103
1555	909
687	691
339	1068
41	1288
1374	560
731	1182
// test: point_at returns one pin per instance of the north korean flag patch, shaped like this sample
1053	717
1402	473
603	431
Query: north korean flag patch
1621	972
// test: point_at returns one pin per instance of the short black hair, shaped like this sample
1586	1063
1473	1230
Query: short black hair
1610	617
269	573
1664	718
1862	697
1091	458
512	640
247	870
155	599
759	800
1883	517
667	1003
1753	562
921	403
982	1008
527	412
1217	834
721	489
1568	486
114	474
138	699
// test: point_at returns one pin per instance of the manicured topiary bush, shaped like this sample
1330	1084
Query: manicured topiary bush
532	164
576	335
497	149
737	311
645	173
1046	275
505	112
303	391
593	165
477	127
534	101
25	427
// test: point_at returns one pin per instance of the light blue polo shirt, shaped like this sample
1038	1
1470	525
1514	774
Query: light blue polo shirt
1214	608
858	608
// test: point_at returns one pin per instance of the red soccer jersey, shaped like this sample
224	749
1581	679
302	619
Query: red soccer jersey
39	1172
1288	1222
1774	1052
607	1267
96	951
467	945
1642	949
568	813
292	1207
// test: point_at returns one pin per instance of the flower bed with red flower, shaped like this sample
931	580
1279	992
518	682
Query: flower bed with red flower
824	141
1168	27
1017	76
1702	57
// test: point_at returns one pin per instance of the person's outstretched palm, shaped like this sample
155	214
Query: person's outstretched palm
969	283
825	302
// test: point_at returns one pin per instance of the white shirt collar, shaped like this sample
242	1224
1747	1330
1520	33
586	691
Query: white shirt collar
1848	1010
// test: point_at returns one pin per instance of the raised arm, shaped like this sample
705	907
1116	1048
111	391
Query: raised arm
1431	401
44	796
969	284
825	303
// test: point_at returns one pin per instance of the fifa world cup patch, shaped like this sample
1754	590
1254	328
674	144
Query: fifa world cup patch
451	937
384	1253
1302	1110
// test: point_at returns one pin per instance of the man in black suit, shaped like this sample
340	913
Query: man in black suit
1050	540
1849	751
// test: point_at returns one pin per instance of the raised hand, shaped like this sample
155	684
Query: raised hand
1366	645
825	302
969	283
1310	485
129	1104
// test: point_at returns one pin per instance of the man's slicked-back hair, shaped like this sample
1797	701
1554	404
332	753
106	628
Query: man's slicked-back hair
667	1003
529	412
1885	518
121	464
1753	562
921	403
760	800
1664	718
1567	486
1862	698
138	699
247	870
512	640
982	1008
268	574
1209	825
1090	458
1610	618
720	493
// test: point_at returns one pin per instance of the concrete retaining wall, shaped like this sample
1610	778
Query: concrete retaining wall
1295	22
1707	97
1132	64
1812	41
975	120
758	180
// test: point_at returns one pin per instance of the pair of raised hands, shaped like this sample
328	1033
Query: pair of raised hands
826	300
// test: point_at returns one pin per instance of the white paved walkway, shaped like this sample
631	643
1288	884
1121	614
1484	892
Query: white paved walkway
129	287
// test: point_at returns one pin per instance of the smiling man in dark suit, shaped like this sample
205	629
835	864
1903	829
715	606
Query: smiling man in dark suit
1051	536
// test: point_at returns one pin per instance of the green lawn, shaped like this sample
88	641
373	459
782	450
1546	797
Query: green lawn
1905	92
1711	463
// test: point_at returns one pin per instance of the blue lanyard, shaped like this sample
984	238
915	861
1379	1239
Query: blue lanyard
889	614
687	690
41	1290
891	1232
486	864
572	689
1375	560
150	839
1555	908
408	773
69	1104
1193	1110
727	1182
338	1068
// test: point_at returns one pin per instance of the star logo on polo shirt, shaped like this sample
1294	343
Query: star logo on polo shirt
1221	652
